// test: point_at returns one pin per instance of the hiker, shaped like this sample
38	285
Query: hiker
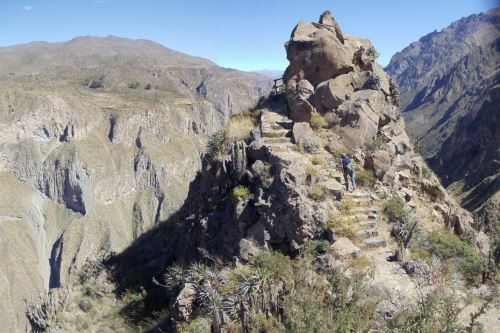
348	172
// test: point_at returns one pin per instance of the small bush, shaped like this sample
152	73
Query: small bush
134	85
322	246
96	83
446	245
365	178
317	121
372	52
278	265
426	173
94	288
318	160
395	209
239	192
317	193
339	150
315	247
347	205
312	170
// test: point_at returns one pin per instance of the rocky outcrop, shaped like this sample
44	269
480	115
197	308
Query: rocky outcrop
88	170
450	95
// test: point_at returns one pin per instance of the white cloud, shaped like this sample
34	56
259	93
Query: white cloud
28	7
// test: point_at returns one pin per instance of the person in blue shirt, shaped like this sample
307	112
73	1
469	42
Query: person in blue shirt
348	172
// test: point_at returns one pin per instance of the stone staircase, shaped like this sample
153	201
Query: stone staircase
366	217
276	131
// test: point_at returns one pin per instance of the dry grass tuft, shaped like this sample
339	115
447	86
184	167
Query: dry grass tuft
318	160
343	227
347	205
240	125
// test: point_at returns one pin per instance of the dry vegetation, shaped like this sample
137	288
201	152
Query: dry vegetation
240	125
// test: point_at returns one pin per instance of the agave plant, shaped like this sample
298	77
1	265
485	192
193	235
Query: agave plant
217	145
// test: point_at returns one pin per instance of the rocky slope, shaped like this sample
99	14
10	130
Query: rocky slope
449	83
268	238
99	139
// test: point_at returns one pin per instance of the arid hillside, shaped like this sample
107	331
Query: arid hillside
99	140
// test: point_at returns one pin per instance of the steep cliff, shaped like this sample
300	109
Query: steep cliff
99	140
449	83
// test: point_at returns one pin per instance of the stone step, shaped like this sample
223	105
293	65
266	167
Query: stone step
358	195
374	242
275	133
283	124
366	210
362	203
367	224
364	217
367	233
346	218
280	147
277	140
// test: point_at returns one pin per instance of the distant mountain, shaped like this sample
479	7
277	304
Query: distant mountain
450	95
273	74
99	140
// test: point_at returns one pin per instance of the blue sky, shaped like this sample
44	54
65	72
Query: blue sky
243	34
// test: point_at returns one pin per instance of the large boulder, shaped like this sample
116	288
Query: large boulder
330	94
380	162
298	95
343	248
358	123
327	19
304	136
316	54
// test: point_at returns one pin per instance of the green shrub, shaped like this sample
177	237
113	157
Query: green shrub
239	192
372	52
446	245
365	177
276	264
217	145
320	246
96	83
395	209
317	121
317	193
